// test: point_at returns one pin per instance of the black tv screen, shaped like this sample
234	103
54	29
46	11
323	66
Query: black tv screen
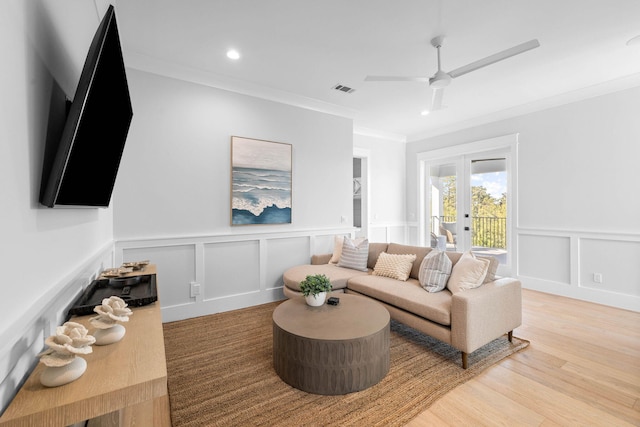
83	170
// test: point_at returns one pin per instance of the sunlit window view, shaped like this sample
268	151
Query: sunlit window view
488	208
443	210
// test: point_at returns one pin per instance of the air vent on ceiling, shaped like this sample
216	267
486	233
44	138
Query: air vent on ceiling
344	89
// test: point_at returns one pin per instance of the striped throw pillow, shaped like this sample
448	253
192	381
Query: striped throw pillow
396	266
354	254
435	270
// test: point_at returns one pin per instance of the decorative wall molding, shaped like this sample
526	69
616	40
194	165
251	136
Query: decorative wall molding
24	339
585	254
230	271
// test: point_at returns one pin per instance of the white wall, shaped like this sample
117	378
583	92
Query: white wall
46	255
577	213
386	178
172	204
177	162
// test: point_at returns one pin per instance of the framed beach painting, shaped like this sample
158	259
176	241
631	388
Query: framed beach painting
260	181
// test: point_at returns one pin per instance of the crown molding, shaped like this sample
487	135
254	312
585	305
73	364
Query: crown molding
577	95
141	62
376	133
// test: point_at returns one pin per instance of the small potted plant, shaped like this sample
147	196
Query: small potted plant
315	288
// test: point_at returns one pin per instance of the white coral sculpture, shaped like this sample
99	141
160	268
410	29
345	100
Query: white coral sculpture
112	310
70	340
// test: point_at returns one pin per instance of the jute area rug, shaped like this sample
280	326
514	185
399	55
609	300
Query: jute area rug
220	373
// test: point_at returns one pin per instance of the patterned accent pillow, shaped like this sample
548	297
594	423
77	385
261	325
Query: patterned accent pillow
354	254
468	273
435	270
396	266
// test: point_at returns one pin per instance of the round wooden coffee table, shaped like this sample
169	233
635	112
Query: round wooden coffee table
331	349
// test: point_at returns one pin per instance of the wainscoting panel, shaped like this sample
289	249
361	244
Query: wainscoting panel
231	268
282	254
323	244
377	234
24	340
232	271
571	262
413	232
545	257
388	233
175	266
617	262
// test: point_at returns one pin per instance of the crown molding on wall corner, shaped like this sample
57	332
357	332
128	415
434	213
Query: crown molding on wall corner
600	89
375	133
141	62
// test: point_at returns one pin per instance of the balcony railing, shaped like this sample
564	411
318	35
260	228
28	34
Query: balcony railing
488	232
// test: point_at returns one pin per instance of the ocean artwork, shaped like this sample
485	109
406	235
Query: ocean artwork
260	181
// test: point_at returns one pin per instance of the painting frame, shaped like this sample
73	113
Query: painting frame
261	182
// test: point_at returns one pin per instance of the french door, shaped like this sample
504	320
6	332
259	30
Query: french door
468	204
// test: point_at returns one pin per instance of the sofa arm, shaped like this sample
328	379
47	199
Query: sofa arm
480	315
320	259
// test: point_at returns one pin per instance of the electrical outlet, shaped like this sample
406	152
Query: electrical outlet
195	289
597	277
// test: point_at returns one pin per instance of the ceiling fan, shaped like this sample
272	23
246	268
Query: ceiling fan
442	79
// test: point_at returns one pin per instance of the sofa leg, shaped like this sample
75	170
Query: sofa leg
465	360
510	336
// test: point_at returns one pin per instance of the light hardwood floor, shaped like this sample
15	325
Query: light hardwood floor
582	368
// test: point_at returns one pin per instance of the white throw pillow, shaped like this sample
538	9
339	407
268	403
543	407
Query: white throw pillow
396	266
337	249
354	254
435	271
468	273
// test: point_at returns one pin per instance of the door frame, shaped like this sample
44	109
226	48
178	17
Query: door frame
508	145
364	155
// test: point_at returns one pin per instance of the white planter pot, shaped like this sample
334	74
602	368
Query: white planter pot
316	300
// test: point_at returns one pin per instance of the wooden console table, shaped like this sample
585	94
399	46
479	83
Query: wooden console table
125	383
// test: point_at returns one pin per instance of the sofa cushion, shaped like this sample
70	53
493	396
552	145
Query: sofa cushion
355	254
435	270
468	273
375	249
407	295
493	264
395	266
493	267
419	251
337	275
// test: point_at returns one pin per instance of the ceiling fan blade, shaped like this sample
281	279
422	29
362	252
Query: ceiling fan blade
531	44
395	79
436	99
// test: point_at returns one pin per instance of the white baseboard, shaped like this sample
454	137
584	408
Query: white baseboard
613	299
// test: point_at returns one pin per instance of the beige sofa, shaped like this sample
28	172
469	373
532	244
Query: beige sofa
466	320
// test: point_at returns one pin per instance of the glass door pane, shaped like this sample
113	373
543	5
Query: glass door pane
443	206
488	222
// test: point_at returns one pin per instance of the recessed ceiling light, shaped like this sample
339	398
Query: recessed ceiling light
233	54
424	112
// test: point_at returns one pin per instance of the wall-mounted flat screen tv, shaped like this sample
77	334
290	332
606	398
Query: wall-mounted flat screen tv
82	171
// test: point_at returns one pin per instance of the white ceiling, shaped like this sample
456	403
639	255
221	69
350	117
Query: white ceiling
295	51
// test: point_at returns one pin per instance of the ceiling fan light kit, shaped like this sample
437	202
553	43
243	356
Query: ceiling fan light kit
442	79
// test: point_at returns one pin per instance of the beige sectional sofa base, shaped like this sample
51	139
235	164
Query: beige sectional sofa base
466	320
